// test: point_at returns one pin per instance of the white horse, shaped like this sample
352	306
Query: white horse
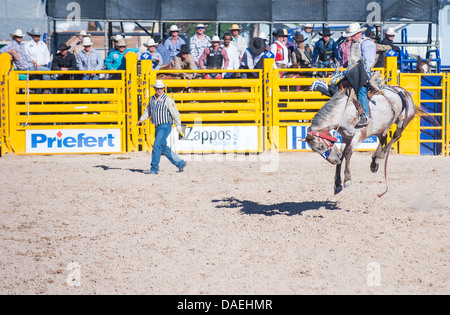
340	114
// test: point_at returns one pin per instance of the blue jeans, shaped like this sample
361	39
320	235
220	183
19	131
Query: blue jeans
162	132
88	77
362	98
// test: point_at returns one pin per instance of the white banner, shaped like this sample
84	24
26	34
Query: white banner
296	133
73	141
216	138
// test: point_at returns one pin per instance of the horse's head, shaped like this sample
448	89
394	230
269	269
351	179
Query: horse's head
423	66
324	144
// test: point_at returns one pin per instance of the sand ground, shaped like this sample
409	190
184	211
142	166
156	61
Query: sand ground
92	224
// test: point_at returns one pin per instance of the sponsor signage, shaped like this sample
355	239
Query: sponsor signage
220	138
73	141
296	133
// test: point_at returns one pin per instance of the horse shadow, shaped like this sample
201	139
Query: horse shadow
284	208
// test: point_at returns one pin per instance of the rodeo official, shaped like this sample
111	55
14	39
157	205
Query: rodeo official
163	113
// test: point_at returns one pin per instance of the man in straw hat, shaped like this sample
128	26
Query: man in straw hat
21	58
152	54
238	40
389	39
215	57
361	61
89	59
163	113
199	42
115	59
173	43
77	45
37	49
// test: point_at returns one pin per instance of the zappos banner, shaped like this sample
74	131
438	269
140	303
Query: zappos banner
296	133
73	141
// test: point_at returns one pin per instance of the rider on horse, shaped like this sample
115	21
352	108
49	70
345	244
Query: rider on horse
363	50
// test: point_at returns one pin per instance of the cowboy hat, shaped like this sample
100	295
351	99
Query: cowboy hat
235	27
200	26
390	31
83	33
121	43
63	46
185	49
263	36
280	32
257	45
117	37
326	32
215	38
87	41
35	31
17	33
159	84
307	26
150	42
300	38
173	28
354	29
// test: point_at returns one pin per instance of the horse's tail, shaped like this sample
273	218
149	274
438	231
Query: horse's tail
427	117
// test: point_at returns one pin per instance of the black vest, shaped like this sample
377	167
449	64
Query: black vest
215	59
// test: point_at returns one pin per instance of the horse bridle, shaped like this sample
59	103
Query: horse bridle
327	139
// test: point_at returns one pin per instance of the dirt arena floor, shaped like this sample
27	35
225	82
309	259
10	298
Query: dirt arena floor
267	224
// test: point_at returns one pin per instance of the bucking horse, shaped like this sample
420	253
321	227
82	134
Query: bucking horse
393	105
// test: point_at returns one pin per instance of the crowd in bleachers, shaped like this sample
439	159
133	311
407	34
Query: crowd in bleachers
230	52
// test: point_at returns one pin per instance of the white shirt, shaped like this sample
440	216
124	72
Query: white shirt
38	52
240	43
233	55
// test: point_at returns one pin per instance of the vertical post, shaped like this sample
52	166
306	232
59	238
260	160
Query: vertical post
132	131
145	129
5	67
392	71
268	122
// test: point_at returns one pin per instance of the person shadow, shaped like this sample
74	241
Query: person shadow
108	168
284	208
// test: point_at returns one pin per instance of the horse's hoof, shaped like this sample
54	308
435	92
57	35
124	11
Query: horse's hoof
338	189
347	184
374	167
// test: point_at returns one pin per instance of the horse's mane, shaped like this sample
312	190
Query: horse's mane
327	112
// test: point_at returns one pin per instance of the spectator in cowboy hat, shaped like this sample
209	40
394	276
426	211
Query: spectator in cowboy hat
302	55
185	61
77	45
64	61
326	51
163	113
114	40
199	42
280	50
91	60
253	56
173	43
37	49
22	60
215	57
116	60
389	39
152	54
238	41
306	31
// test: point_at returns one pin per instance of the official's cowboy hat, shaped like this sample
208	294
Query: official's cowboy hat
17	33
120	43
235	27
390	31
159	84
280	32
63	46
326	32
354	29
257	45
150	42
35	31
215	38
185	49
299	38
87	41
173	28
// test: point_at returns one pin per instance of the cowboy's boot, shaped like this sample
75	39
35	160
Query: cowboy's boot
364	101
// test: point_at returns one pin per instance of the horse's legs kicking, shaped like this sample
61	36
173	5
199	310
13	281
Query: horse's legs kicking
337	178
374	165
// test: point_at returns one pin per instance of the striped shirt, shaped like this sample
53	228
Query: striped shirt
161	110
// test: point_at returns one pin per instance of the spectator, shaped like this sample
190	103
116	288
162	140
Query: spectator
114	40
232	52
77	45
162	50
38	50
216	58
64	61
238	40
89	59
199	42
279	49
302	55
116	60
389	39
381	49
253	55
185	61
306	31
152	54
326	51
173	44
344	51
15	48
